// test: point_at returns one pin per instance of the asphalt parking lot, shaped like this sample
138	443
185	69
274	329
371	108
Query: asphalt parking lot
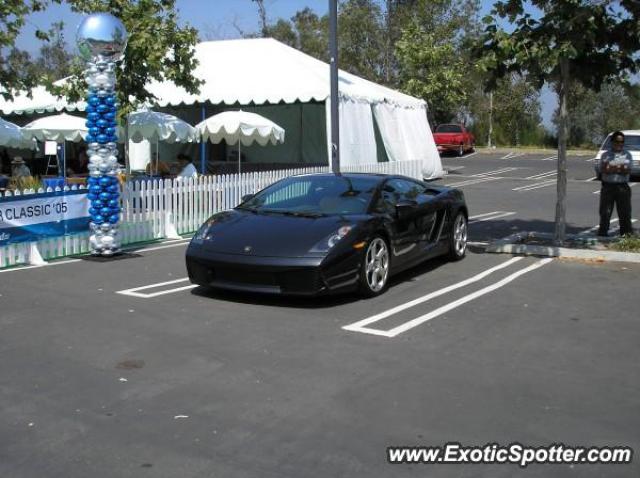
123	369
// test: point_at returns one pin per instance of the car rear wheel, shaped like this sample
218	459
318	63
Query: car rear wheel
374	273
461	149
458	237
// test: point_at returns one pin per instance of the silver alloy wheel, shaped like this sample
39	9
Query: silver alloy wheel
461	150
377	264
460	235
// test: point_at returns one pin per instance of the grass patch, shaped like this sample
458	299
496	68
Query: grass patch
627	244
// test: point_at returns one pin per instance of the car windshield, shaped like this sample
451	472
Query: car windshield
631	143
448	128
315	196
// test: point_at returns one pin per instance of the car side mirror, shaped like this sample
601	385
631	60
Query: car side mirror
246	197
405	209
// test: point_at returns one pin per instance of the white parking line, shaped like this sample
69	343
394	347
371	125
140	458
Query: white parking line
530	187
356	326
472	181
361	325
542	175
550	158
596	227
493	173
469	155
490	216
134	291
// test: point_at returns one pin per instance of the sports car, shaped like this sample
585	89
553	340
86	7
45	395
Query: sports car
322	233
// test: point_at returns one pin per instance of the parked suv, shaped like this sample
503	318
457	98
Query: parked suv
631	144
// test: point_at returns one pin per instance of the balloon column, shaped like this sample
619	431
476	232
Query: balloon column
101	41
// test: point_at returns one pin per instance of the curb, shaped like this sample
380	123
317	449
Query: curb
510	245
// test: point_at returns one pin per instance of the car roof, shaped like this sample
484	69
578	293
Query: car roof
627	132
379	176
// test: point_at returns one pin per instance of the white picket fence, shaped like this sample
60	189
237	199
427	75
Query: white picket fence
156	209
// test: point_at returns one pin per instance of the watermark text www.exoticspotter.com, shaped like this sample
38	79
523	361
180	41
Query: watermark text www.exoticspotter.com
514	453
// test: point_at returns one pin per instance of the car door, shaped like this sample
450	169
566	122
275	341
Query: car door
409	232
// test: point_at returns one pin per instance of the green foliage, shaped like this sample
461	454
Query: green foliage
431	69
157	49
306	32
628	244
16	72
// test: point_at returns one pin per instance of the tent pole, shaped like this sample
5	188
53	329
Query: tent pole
203	144
239	154
333	55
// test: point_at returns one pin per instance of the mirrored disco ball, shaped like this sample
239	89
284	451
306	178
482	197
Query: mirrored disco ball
101	34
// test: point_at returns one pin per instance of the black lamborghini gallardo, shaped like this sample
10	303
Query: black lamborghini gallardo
320	233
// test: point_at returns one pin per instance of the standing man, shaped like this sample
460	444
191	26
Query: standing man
615	168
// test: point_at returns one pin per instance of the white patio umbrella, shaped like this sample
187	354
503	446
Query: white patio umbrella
151	125
240	127
11	136
58	128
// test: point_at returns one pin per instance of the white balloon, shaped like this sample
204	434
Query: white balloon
95	174
105	227
107	242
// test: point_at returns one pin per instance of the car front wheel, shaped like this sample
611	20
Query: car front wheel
374	274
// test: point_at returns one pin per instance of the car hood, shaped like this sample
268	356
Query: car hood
270	234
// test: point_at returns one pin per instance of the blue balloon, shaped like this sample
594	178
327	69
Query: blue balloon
98	219
110	115
94	100
114	219
93	211
105	181
105	196
90	109
110	131
105	211
102	108
90	138
92	196
112	138
114	203
95	131
110	100
102	123
90	124
93	116
96	189
97	203
114	188
93	181
102	138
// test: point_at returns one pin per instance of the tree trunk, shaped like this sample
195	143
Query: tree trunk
489	143
561	204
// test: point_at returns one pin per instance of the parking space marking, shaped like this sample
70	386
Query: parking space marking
490	216
597	226
482	177
357	326
134	292
361	325
533	186
543	175
513	155
550	158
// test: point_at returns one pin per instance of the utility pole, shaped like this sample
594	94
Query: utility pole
333	55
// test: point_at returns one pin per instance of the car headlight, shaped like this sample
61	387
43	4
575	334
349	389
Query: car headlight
201	234
326	244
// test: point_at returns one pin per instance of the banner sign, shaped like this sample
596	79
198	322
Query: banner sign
36	216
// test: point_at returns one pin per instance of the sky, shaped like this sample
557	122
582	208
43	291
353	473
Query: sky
221	19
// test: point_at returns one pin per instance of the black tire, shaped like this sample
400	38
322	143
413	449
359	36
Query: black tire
458	236
369	285
461	150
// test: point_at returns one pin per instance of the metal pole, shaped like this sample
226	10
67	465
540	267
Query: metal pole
203	143
333	55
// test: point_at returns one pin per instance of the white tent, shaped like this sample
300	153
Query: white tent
264	71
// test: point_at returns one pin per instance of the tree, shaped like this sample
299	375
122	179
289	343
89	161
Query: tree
589	41
55	61
14	76
157	50
360	35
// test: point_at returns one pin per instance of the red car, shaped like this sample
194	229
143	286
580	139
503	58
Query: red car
453	137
